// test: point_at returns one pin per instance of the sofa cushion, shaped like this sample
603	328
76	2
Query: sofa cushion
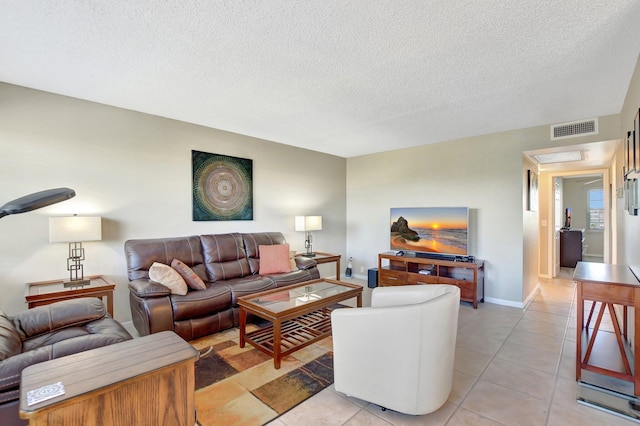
141	254
248	285
224	256
195	304
252	243
42	320
274	259
10	342
191	278
168	277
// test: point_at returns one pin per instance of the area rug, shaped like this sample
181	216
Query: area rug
241	386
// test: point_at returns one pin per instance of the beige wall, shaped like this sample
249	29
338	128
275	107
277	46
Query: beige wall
135	171
530	233
485	173
628	246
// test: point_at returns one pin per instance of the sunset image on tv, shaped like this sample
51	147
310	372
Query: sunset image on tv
430	229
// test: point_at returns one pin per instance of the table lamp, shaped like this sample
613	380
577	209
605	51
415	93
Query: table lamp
307	224
74	230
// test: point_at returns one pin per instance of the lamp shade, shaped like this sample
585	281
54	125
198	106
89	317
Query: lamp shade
308	223
68	229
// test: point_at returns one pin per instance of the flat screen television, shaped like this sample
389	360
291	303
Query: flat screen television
432	230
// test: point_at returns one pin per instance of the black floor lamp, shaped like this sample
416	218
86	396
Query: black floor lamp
36	201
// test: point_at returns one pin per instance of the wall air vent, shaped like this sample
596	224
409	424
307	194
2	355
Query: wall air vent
574	129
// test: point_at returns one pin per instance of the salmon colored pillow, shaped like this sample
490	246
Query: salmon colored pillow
274	259
191	278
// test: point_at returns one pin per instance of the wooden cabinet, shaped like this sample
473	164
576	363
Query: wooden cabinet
570	247
145	381
410	269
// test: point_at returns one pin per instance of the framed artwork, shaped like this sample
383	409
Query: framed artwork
628	146
636	144
633	197
532	194
222	187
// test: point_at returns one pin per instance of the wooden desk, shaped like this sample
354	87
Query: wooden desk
144	381
46	292
321	258
609	285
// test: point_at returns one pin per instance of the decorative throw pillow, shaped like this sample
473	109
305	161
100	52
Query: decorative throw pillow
191	278
274	259
168	277
292	260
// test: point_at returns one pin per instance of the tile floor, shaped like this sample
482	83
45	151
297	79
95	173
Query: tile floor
513	367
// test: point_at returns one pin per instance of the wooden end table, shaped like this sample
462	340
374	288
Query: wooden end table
145	381
321	258
609	285
46	292
298	313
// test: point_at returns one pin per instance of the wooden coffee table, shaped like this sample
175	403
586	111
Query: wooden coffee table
298	313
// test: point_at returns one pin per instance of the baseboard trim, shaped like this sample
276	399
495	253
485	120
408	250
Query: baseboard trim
503	302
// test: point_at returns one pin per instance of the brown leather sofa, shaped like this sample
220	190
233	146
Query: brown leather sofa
48	332
229	264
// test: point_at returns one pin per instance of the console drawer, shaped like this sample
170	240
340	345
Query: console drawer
388	277
421	279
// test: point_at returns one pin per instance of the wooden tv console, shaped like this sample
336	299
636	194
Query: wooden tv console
411	269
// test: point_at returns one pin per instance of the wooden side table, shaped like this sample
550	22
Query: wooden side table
46	292
145	381
328	258
610	285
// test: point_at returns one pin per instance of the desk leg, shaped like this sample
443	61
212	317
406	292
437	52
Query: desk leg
579	328
338	269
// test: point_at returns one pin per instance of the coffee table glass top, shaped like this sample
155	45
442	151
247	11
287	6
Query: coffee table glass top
298	296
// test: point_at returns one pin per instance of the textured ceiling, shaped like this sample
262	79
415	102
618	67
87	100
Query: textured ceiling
343	77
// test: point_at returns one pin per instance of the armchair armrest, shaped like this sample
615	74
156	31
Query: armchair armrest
145	287
63	314
305	262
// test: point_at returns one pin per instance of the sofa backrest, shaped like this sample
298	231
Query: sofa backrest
141	254
224	256
254	240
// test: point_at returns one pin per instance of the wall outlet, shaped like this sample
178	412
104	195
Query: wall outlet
362	269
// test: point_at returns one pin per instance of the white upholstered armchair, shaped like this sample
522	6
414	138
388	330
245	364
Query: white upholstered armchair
400	352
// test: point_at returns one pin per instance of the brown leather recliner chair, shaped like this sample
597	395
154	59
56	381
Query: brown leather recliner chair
48	332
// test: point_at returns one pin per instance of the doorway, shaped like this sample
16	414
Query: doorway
579	221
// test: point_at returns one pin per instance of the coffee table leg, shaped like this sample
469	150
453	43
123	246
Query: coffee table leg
277	349
243	325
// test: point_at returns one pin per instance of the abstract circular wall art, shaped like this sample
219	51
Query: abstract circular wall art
222	187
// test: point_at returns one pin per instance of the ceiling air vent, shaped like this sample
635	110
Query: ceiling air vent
574	129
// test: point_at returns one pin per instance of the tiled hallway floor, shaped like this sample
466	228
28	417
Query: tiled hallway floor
513	367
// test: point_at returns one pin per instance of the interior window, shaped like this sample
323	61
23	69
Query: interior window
596	209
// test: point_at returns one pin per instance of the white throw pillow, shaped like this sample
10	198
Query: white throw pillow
168	277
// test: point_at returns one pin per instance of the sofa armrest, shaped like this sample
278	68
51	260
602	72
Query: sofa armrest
305	262
145	287
63	314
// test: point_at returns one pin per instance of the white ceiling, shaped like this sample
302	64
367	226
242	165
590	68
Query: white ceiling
343	77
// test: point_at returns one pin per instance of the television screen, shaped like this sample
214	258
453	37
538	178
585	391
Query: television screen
442	230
